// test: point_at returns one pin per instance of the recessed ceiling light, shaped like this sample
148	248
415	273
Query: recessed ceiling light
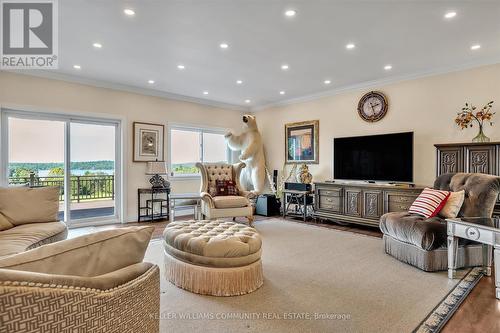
181	67
475	47
223	45
290	13
282	92
77	67
387	67
205	93
450	15
129	12
97	45
247	101
239	82
284	67
350	46
327	81
151	81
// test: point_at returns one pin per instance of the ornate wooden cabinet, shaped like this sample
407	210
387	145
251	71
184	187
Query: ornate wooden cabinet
360	203
469	157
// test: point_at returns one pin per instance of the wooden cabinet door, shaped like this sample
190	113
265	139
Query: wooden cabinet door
450	160
352	202
398	201
481	159
372	204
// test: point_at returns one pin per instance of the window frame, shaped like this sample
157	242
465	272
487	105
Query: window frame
200	130
68	117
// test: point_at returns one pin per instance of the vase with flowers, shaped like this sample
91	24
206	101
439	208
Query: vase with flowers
469	115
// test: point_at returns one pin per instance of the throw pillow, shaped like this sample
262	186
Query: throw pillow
226	187
453	205
429	202
90	255
21	205
212	190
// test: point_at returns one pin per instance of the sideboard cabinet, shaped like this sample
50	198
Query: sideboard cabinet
469	157
361	203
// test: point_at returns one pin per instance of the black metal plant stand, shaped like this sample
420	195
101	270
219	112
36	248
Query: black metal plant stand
153	204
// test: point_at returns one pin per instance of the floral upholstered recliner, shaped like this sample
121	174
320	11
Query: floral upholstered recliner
214	206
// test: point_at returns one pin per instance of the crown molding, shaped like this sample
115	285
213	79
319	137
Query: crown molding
130	89
378	83
255	109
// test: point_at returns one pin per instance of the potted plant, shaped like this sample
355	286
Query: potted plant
469	115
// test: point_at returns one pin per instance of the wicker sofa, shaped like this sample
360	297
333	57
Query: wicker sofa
92	283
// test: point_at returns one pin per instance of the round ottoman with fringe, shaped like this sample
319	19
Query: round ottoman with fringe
215	258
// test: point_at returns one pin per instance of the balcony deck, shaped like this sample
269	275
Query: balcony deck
89	209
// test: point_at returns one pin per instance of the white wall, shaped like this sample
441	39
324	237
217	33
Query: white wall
58	96
427	106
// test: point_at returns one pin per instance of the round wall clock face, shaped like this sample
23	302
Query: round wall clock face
372	106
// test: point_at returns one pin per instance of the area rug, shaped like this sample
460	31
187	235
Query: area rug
319	280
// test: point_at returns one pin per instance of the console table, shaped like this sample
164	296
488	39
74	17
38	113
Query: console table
361	203
478	229
148	199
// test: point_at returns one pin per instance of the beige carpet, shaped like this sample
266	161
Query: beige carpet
311	271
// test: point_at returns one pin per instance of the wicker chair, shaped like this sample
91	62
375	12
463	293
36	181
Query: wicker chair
127	300
214	207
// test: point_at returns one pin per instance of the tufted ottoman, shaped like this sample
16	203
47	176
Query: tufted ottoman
213	257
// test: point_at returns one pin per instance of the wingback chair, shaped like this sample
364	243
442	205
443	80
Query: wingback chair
213	206
421	242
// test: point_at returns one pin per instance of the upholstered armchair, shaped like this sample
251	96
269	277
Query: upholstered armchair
213	206
421	242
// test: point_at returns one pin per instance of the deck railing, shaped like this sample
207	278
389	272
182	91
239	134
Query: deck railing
83	188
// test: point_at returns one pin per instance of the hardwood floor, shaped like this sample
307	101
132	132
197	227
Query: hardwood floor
480	312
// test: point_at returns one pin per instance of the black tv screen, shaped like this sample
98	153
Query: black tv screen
387	157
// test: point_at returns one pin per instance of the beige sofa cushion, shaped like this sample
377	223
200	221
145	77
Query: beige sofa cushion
89	255
230	201
453	205
213	243
21	205
28	236
5	223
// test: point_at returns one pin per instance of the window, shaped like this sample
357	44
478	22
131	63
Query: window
191	145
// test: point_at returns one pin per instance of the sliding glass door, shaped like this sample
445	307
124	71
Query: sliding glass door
36	154
92	170
79	155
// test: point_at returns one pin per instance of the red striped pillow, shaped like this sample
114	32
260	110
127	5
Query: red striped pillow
429	202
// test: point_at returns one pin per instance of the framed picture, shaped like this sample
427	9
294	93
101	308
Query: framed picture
302	142
148	142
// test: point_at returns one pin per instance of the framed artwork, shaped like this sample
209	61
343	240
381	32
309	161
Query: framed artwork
302	142
148	142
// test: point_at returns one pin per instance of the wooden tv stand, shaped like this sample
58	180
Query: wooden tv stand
361	203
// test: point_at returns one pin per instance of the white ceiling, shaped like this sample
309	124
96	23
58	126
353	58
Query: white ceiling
412	36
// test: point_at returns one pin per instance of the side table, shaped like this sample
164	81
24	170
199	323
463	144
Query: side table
301	201
482	230
185	200
149	199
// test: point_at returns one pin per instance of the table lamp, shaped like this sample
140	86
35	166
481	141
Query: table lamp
156	169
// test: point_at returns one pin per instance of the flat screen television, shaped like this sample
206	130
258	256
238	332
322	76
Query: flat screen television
386	157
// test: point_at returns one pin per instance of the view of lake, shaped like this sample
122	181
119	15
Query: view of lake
78	172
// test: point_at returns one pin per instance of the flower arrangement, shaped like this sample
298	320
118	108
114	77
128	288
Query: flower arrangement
278	188
469	115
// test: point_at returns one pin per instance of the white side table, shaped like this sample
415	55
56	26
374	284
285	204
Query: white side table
183	201
482	230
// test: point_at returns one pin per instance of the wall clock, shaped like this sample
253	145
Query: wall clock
372	106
